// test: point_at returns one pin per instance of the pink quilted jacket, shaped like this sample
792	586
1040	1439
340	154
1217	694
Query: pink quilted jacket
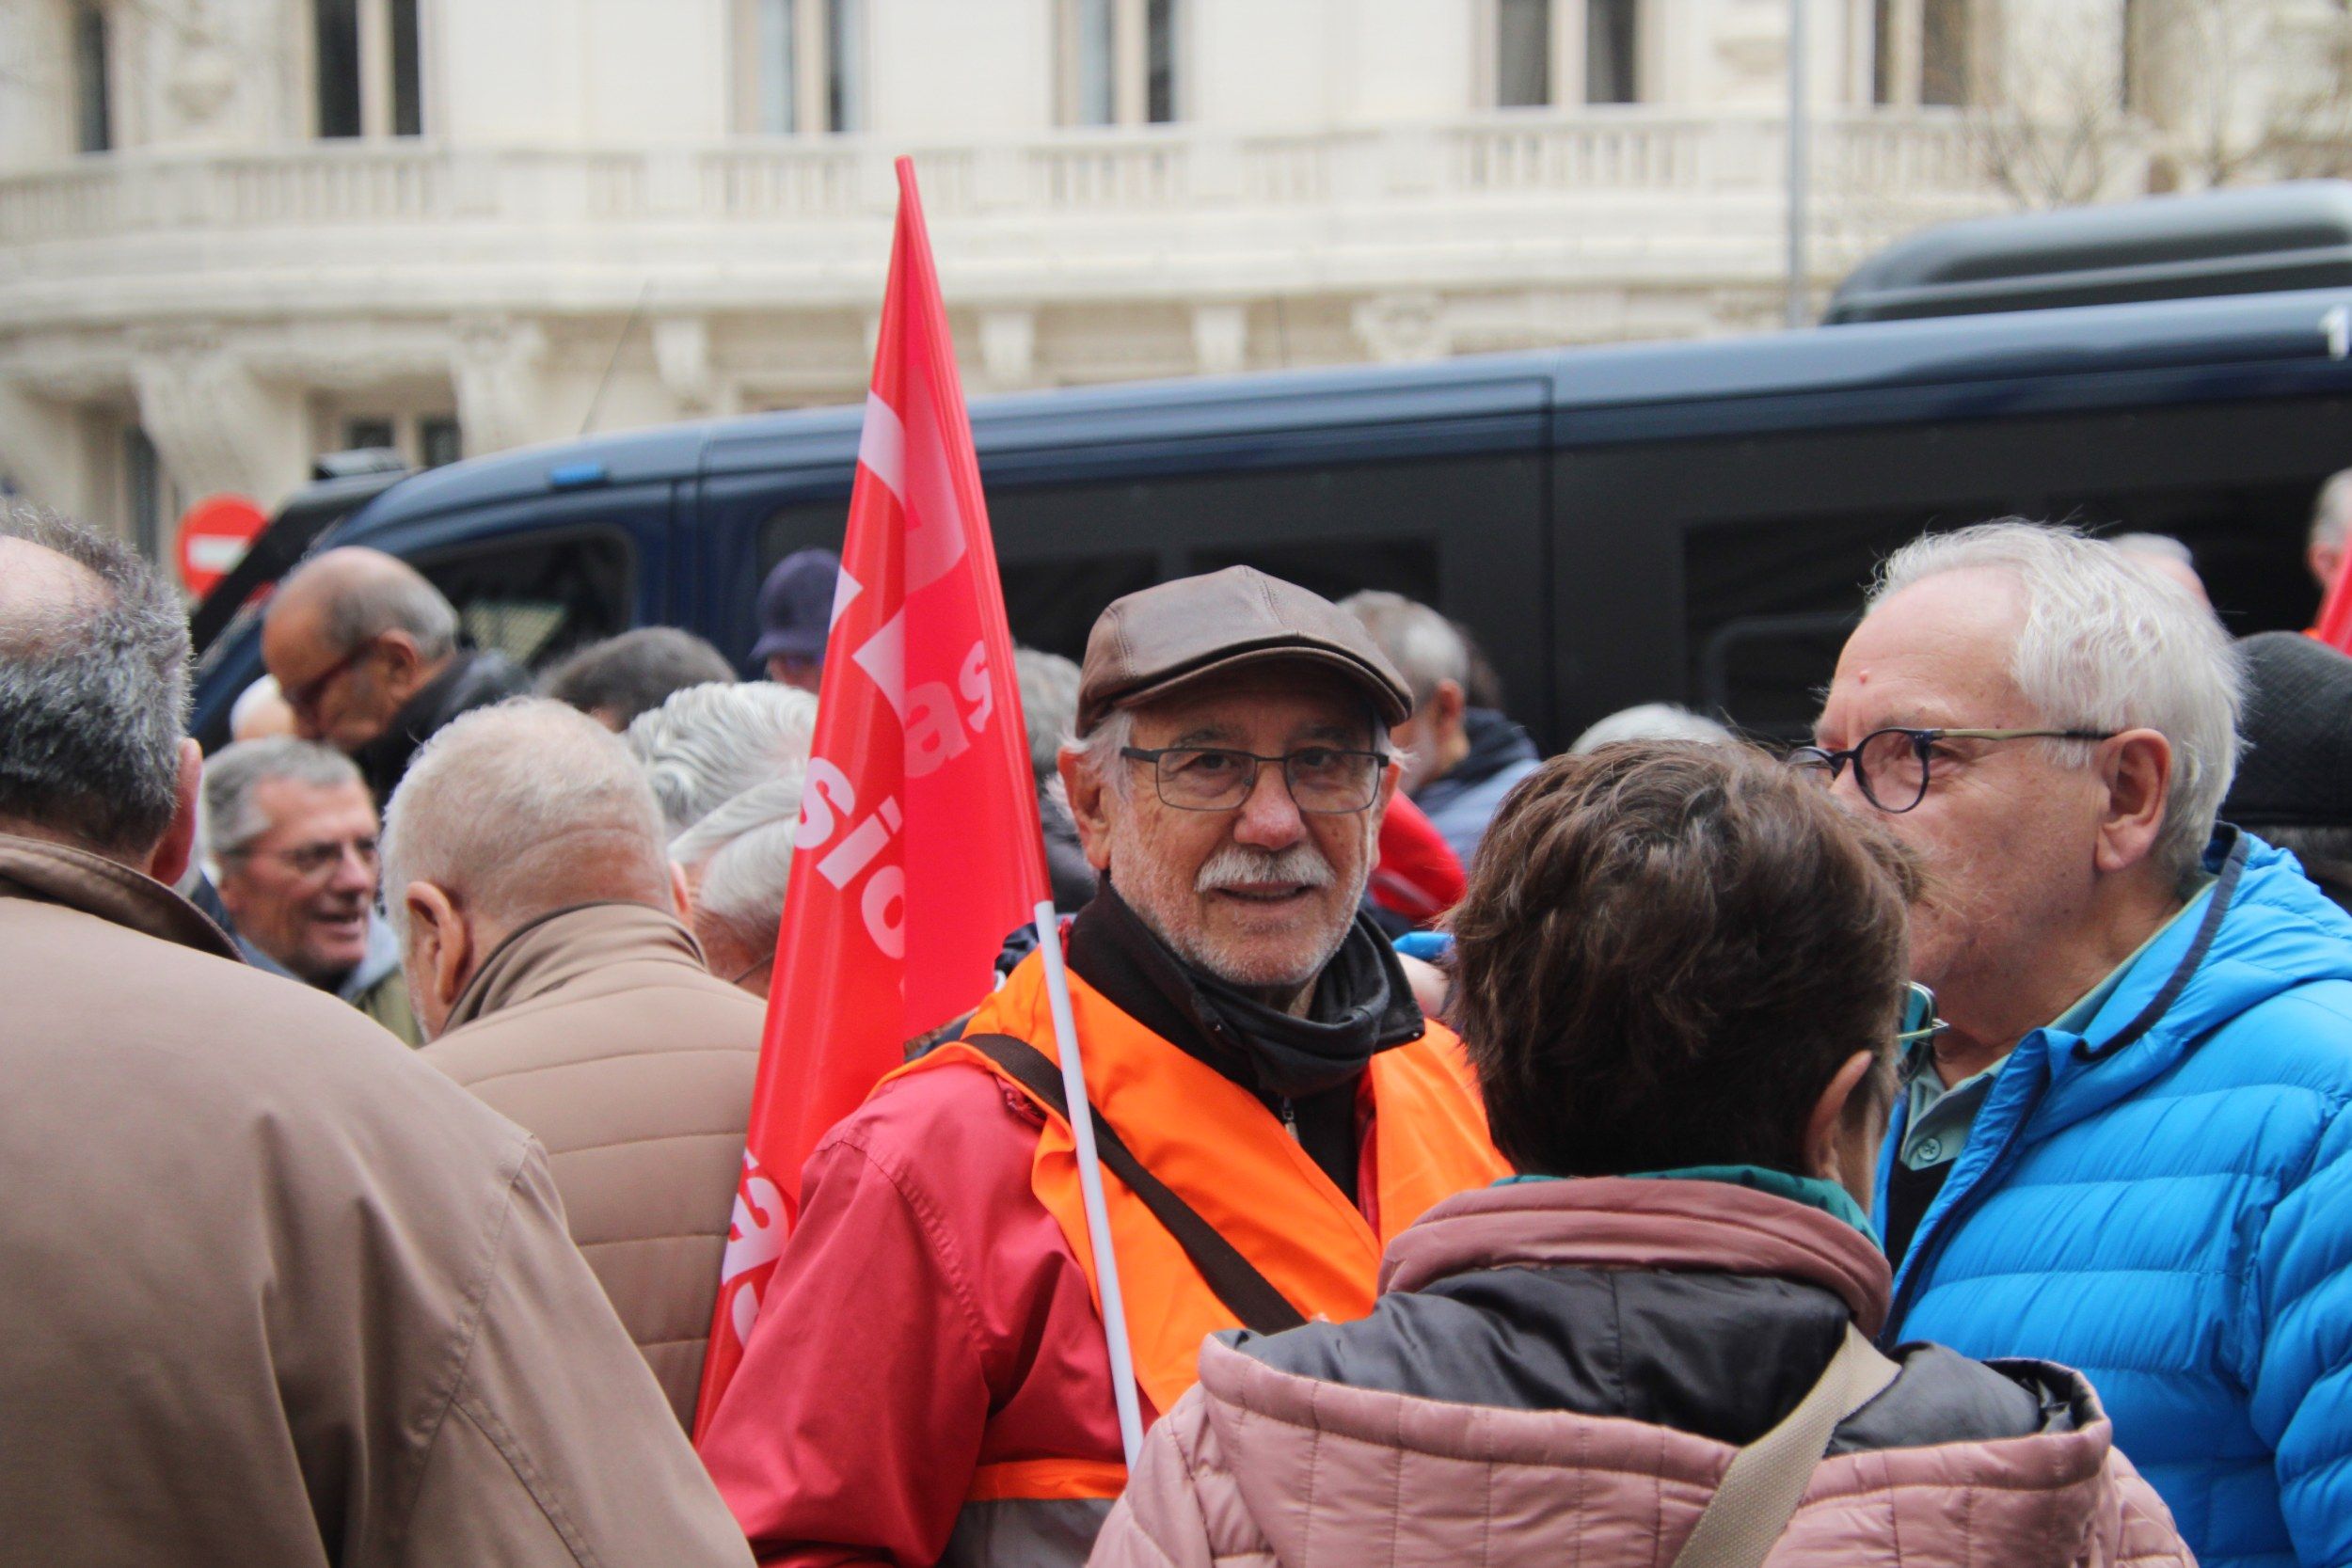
1261	1467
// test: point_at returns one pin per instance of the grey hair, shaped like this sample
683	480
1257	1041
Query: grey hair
1097	751
93	693
234	774
2108	643
742	858
499	803
1049	705
1650	722
396	599
2332	510
708	744
1425	647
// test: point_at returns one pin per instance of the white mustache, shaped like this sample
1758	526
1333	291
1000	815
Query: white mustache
1239	865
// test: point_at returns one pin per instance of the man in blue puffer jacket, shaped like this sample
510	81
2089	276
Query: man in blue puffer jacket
2128	1151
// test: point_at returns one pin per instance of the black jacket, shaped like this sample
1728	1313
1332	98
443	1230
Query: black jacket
474	678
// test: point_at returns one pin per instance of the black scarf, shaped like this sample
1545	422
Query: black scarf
1304	1070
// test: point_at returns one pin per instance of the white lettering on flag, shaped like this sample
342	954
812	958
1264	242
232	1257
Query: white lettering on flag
883	657
845	591
882	446
935	531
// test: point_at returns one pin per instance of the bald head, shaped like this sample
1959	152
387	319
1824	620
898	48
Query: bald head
93	691
349	636
509	813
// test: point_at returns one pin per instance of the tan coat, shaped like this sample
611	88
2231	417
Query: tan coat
273	1291
598	1028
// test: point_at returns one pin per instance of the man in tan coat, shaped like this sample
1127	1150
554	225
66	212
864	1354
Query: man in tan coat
524	867
272	1291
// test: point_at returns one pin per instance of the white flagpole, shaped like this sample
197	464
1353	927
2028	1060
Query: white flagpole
1073	1086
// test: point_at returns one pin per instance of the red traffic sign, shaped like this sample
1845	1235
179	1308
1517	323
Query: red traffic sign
213	536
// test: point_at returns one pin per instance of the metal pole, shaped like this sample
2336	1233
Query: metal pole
1800	171
1073	1090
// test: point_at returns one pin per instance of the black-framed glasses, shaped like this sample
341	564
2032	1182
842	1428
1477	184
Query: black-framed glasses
1893	765
313	861
1323	780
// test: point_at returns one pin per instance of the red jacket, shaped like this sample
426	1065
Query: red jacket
919	1245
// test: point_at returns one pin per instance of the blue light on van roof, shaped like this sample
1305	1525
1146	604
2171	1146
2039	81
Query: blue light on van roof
576	476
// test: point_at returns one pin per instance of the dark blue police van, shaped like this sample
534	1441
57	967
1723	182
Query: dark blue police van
1690	521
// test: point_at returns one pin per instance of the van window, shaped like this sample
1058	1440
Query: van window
1465	534
538	597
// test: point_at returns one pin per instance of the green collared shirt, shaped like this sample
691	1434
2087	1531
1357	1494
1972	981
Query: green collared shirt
1937	1118
1812	1191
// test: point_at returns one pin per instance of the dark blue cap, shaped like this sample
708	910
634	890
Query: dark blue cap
796	605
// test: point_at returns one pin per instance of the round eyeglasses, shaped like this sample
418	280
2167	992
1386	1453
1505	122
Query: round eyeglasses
1892	767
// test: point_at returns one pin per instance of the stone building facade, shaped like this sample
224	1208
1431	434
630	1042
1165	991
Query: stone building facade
237	234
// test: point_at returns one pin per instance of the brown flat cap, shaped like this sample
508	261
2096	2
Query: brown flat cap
1152	642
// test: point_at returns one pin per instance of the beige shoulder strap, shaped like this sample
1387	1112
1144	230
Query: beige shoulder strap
1767	1480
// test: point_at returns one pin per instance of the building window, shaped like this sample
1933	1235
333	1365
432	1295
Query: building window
143	492
1923	52
1541	50
1944	51
1119	62
1522	54
359	434
1609	51
366	68
93	116
800	67
1883	70
438	440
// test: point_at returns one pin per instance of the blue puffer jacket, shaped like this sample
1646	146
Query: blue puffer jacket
2165	1203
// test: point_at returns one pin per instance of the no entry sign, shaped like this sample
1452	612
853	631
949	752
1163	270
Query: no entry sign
214	538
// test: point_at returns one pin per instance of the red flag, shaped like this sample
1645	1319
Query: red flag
918	848
2334	626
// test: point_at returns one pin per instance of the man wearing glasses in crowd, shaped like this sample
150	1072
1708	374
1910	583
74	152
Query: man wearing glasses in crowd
291	834
2127	1151
1248	1038
366	653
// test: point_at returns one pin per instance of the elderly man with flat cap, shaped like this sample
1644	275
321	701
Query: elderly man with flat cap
928	1381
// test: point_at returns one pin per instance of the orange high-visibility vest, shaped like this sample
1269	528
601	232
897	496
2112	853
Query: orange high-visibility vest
1216	1145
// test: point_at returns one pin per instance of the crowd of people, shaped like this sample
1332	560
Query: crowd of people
1926	1144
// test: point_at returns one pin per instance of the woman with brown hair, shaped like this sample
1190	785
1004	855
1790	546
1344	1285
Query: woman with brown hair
1680	976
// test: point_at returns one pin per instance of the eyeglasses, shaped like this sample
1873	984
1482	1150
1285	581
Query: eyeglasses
315	861
1892	767
1323	780
304	698
1919	1020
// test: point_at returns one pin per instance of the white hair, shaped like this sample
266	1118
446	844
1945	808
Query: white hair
1425	647
1650	722
1049	705
234	775
708	744
2160	546
2332	510
2108	643
252	700
740	857
526	806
